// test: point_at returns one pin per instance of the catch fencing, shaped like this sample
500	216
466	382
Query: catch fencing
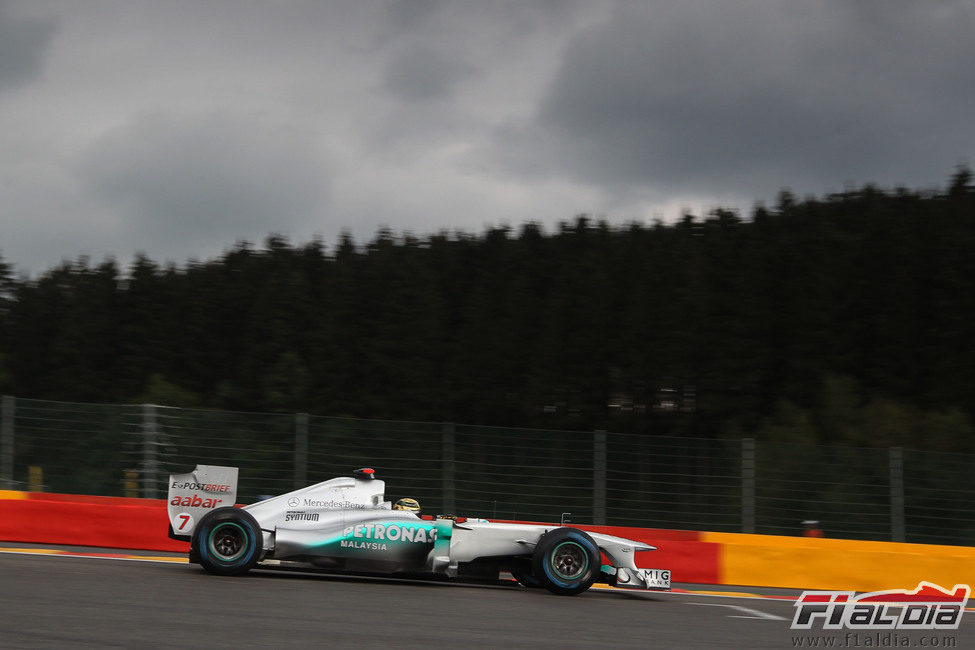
724	485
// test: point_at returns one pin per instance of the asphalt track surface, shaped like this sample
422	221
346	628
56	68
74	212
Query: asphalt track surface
66	601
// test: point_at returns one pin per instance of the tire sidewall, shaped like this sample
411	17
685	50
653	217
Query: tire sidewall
241	563
543	571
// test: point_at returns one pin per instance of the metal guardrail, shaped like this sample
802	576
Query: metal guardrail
527	474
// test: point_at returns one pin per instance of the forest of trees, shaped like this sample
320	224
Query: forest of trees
845	319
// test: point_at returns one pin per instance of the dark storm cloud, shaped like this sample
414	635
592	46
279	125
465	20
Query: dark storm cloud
406	16
748	97
422	73
23	43
196	179
178	128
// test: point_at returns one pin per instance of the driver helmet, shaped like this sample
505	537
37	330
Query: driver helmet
408	504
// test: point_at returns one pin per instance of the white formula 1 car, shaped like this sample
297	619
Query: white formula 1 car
344	524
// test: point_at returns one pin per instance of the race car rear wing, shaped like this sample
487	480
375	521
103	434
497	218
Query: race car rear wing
193	495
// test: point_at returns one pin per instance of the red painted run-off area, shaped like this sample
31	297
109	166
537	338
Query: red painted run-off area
111	522
116	522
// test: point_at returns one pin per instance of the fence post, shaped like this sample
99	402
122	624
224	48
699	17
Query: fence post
150	461
301	450
748	485
7	442
447	470
897	528
599	478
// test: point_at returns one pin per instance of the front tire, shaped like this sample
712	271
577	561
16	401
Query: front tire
566	561
227	542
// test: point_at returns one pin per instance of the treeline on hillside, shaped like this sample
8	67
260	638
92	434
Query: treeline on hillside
845	319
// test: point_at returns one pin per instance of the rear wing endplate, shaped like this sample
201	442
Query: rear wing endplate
193	495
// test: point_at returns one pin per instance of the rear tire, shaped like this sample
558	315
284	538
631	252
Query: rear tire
566	561
227	542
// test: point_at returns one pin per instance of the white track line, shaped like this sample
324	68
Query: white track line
751	613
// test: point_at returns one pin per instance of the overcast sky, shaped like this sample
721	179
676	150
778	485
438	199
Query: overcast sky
179	128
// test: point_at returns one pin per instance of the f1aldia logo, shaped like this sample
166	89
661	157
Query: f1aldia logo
928	607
